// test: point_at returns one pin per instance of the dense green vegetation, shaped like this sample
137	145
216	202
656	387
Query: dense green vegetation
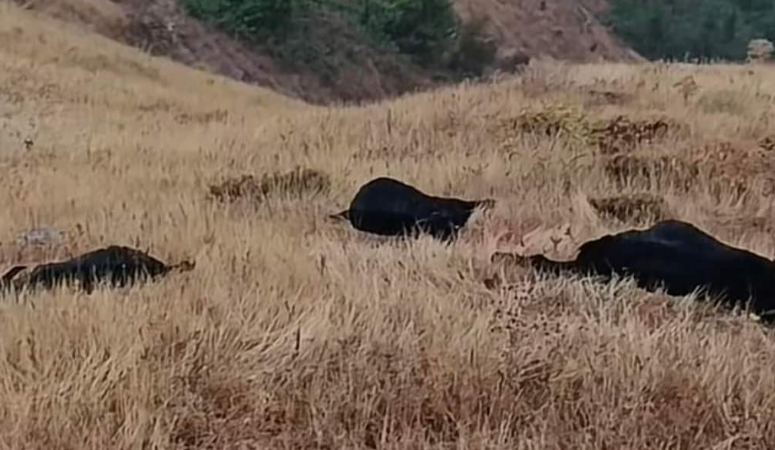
677	29
422	29
247	19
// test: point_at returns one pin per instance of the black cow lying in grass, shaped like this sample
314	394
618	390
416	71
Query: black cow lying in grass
116	266
675	256
388	207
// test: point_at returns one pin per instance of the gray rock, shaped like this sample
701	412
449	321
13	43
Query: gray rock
39	236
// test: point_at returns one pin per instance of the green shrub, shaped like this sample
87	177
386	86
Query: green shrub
702	29
247	19
421	28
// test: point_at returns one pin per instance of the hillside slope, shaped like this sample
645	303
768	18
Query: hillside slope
564	30
351	71
53	76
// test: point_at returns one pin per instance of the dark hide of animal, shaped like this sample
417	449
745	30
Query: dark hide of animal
388	207
677	257
116	266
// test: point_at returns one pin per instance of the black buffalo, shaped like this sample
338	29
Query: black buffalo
388	207
677	257
116	266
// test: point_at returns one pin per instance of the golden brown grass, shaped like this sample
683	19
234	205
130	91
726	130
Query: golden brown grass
295	331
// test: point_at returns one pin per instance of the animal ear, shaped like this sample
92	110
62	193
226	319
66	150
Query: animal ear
8	276
344	215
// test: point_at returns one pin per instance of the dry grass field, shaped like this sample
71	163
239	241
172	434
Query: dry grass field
294	331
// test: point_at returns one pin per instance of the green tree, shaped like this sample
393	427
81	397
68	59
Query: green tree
698	28
422	28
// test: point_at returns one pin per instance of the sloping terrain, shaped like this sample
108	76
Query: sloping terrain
351	71
564	30
160	28
294	331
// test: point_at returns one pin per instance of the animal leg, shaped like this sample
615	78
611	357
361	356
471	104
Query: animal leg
538	262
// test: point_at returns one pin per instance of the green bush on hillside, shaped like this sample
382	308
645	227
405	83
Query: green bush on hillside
421	28
424	29
247	19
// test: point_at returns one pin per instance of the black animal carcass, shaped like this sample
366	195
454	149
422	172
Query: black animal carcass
116	266
675	256
388	207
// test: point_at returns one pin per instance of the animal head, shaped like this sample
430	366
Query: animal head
15	278
10	274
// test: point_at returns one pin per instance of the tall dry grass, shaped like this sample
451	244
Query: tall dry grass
297	332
